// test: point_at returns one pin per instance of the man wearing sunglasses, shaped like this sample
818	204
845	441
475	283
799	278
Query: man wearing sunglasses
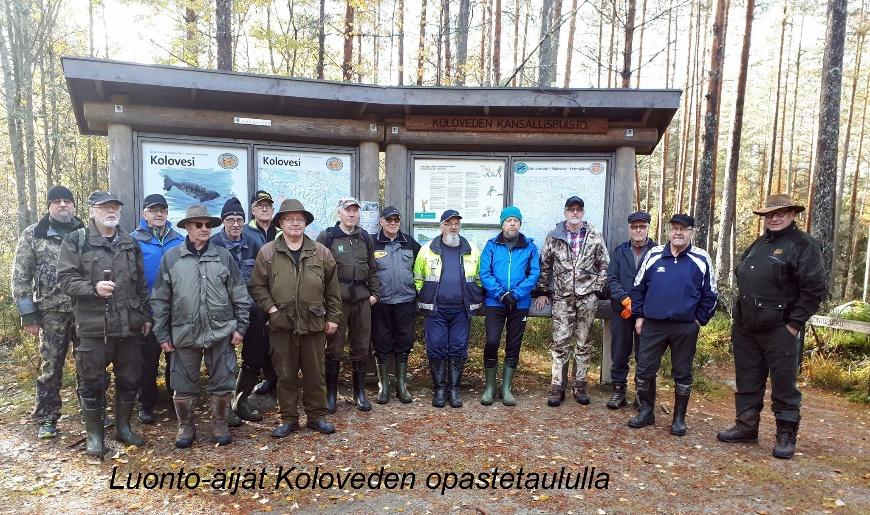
781	283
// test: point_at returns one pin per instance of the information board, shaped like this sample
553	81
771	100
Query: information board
542	186
474	187
190	173
476	235
318	179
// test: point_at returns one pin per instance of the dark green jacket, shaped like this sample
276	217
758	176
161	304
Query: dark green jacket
354	255
83	256
306	296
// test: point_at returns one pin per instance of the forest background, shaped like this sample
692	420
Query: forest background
774	99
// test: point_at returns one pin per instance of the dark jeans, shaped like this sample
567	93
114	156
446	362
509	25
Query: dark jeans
496	320
447	333
759	353
150	360
393	329
658	335
255	349
623	339
93	356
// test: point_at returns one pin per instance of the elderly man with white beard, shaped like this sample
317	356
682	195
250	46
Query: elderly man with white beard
447	278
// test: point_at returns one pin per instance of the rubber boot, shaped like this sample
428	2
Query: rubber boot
681	404
92	413
220	407
617	400
646	397
490	370
745	428
359	386
557	391
186	428
786	439
244	386
507	396
438	368
383	383
332	369
402	380
580	393
124	400
456	367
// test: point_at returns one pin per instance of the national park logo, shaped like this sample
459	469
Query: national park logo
334	164
521	168
597	168
228	161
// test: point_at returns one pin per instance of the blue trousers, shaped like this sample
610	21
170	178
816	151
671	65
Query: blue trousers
447	332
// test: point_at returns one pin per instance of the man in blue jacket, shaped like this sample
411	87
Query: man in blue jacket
509	269
624	263
674	294
155	236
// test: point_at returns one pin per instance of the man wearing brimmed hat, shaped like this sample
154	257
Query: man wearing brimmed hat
352	248
781	283
393	315
255	349
155	236
574	273
45	310
625	260
447	278
674	294
295	281
201	307
100	268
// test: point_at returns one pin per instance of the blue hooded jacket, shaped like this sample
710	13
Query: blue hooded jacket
514	271
154	249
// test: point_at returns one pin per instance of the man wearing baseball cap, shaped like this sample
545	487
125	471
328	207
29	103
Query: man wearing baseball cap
449	291
674	294
155	236
45	310
624	263
574	273
781	283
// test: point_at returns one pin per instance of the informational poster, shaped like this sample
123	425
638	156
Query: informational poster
541	188
370	216
478	236
318	179
192	173
474	187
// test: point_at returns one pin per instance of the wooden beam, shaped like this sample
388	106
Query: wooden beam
121	166
369	183
98	87
397	184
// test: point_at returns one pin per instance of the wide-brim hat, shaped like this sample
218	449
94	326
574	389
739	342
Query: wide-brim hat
779	201
292	205
197	212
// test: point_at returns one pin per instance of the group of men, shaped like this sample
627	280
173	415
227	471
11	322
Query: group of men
293	303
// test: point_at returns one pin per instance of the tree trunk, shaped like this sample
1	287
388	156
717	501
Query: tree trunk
825	182
693	182
685	115
789	178
610	53
781	130
851	232
321	39
599	61
13	124
496	45
629	36
223	34
191	48
401	28
516	42
439	47
729	197
775	126
483	33
640	41
572	27
421	45
448	73
462	41
347	58
549	47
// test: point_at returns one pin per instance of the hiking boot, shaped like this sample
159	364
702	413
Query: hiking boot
681	405
284	430
146	415
745	428
47	429
646	395
617	399
321	426
331	372
383	383
186	428
123	412
786	439
507	396
488	394
402	380
580	394
557	391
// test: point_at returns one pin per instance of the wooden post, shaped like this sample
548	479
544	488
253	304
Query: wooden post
621	197
397	187
606	362
122	173
368	170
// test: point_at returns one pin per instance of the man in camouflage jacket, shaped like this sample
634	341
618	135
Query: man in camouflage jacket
573	269
42	305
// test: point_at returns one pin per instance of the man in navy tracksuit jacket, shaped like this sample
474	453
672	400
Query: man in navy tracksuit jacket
674	294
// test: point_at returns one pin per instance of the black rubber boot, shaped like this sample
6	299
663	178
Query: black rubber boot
383	383
617	400
490	371
92	413
456	368
438	368
244	385
646	396
786	439
332	369
557	391
123	412
745	428
359	386
402	380
681	404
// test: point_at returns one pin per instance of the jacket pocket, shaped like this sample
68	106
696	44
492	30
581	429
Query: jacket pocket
138	316
768	312
279	321
316	318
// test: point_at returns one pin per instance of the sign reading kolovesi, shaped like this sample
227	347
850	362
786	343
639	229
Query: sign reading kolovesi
506	124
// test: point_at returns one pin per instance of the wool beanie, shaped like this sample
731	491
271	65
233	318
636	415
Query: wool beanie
58	193
232	207
510	211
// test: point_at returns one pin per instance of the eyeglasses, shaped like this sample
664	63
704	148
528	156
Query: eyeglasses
777	214
392	220
294	220
573	209
157	210
457	223
638	227
265	206
234	221
198	225
59	201
110	206
680	228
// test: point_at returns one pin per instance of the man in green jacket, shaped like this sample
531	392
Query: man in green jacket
201	307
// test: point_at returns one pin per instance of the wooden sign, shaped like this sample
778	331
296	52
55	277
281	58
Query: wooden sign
506	124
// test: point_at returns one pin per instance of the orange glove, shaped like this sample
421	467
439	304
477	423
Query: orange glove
626	313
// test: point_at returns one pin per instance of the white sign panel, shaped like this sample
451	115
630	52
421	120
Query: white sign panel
318	179
188	174
474	187
541	188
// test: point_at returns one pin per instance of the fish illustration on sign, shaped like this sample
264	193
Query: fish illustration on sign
194	190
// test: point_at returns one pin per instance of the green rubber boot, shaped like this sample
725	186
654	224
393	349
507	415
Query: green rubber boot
383	384
507	397
488	394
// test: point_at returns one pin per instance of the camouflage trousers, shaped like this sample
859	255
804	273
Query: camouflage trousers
572	319
58	331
